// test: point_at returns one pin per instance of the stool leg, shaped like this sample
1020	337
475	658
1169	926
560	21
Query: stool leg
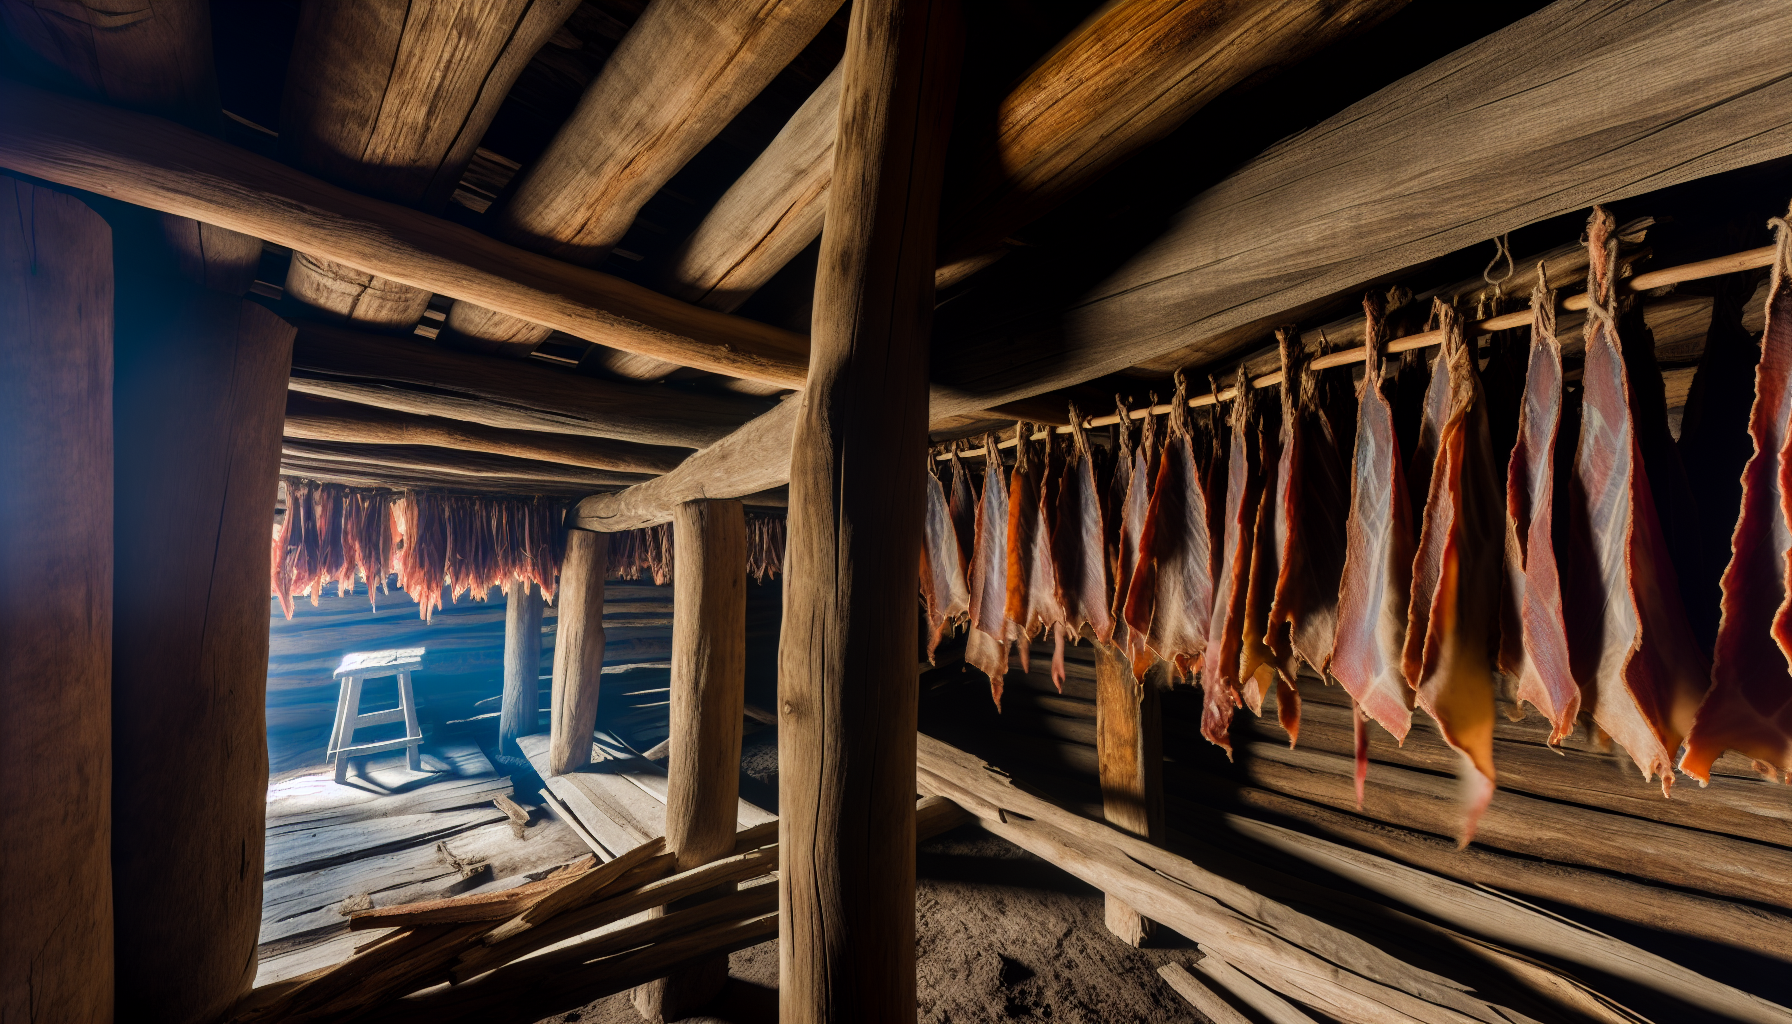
352	704
414	732
342	715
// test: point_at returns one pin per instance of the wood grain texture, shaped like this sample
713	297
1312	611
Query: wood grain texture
709	664
201	388
320	419
447	463
846	680
56	621
1129	746
410	375
578	650
149	162
390	98
1704	89
522	663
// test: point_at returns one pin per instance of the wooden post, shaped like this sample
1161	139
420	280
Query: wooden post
522	664
200	393
56	608
578	650
709	667
1129	747
847	683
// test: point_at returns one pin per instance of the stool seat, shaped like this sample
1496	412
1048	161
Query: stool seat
363	665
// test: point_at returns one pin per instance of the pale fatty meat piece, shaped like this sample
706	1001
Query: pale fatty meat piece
1260	667
943	589
986	647
1223	670
1032	602
961	504
1122	549
1640	670
1461	537
1079	548
1749	707
1533	632
1170	599
1375	585
1427	563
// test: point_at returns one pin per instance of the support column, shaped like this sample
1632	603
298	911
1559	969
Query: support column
1129	747
578	650
847	683
709	678
56	608
521	706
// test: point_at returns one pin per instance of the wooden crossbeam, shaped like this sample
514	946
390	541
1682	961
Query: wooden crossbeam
155	163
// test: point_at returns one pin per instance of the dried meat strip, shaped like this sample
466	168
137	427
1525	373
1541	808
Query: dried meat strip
1640	671
1032	603
1134	505
1461	536
1427	565
943	588
1533	633
1170	599
1224	668
961	503
1749	708
1260	667
1079	548
986	648
1375	585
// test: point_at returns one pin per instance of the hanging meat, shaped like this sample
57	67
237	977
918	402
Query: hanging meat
1376	582
986	646
1640	670
1259	666
1170	599
1079	548
1228	664
1140	462
1032	604
1312	502
1749	708
944	592
1460	542
961	503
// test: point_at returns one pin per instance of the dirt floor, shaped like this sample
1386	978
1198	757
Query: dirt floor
1003	936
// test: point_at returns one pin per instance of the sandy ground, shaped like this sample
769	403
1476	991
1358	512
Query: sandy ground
1002	936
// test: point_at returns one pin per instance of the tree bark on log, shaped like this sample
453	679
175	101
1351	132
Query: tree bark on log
520	708
200	392
642	119
709	655
390	98
578	650
847	682
56	457
1129	747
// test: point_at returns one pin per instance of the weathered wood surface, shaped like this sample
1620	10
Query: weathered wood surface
617	813
1129	743
356	366
356	474
310	418
200	392
156	58
1704	90
149	162
56	452
635	126
578	650
446	464
383	785
390	98
298	849
1202	998
522	662
709	653
846	679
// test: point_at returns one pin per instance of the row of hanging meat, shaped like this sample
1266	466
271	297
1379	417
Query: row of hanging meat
1508	527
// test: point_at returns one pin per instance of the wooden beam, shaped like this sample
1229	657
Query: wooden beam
154	163
390	98
846	679
1703	90
447	463
309	418
157	59
578	650
56	455
522	664
356	474
1129	746
640	122
356	366
709	665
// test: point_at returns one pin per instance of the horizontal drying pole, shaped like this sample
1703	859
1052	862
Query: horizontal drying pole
1714	267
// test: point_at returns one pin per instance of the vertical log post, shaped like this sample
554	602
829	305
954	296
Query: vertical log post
847	683
56	608
709	678
578	650
521	706
1129	748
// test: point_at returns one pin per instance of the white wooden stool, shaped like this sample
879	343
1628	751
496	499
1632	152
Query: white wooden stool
365	665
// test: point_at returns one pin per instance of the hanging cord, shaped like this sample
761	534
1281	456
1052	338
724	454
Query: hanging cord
1502	251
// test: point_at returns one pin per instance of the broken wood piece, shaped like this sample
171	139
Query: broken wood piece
489	906
1269	1006
519	818
572	821
589	886
1210	1003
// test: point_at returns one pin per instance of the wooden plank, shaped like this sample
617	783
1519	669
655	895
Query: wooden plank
522	662
444	463
149	162
615	818
578	650
1202	998
1267	1004
56	454
299	850
311	418
1129	745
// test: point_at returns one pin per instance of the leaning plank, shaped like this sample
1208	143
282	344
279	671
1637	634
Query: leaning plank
1202	998
154	163
1269	1006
